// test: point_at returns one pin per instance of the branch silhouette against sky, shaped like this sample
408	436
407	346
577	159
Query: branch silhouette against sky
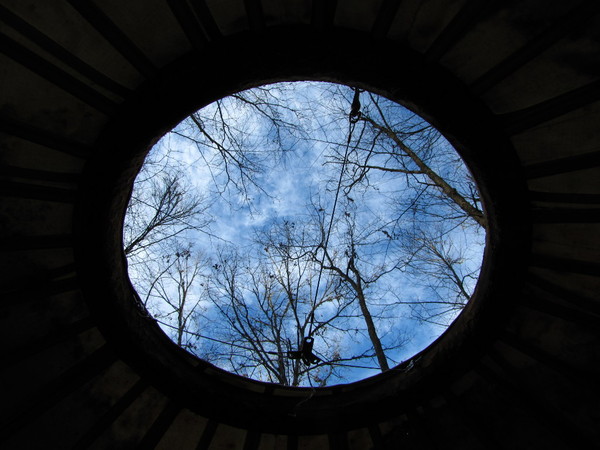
304	233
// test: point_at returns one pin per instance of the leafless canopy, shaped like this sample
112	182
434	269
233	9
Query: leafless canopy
304	210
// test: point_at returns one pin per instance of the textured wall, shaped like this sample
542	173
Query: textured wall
87	86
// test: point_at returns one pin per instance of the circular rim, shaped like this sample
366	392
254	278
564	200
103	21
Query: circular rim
245	61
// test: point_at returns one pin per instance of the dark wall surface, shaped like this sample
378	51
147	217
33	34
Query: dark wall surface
87	87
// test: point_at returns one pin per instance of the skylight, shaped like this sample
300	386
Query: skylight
304	233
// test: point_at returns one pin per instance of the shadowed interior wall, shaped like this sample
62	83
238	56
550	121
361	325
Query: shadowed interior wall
86	87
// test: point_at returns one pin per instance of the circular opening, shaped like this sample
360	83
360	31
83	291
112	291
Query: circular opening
304	233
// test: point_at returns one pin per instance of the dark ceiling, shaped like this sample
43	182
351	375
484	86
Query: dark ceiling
88	86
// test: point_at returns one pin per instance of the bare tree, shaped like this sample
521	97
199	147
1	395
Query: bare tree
270	308
378	235
436	198
230	147
163	206
399	152
176	291
439	265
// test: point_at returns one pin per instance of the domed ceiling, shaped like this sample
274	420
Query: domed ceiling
87	87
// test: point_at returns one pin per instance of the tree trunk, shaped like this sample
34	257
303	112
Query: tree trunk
448	190
381	359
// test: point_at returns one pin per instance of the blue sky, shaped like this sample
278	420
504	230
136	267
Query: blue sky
294	173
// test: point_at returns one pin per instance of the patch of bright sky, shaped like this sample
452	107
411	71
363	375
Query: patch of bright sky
289	182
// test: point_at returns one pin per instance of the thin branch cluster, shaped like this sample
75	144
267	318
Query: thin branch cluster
268	217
